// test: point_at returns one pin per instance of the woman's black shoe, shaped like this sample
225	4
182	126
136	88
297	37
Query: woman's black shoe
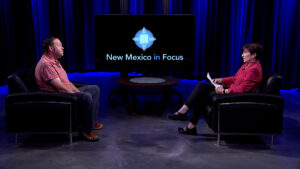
186	130
179	116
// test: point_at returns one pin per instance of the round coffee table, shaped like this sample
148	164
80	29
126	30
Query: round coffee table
150	82
131	83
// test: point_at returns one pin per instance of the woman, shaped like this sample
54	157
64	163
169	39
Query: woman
246	80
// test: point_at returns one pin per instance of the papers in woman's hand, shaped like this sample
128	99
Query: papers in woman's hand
211	81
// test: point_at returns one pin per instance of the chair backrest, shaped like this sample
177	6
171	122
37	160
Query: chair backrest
22	81
270	84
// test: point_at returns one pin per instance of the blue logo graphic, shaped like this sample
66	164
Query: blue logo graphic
144	39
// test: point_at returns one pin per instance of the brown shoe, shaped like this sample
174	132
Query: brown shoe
98	126
90	136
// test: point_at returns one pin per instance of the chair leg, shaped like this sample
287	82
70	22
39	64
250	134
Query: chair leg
16	139
219	125
272	140
70	138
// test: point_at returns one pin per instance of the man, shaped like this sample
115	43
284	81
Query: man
50	76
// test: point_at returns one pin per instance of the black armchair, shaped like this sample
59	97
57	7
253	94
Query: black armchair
258	113
31	111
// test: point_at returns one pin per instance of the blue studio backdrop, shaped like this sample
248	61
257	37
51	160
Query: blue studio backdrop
222	28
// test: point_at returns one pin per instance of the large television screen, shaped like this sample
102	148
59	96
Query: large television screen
144	43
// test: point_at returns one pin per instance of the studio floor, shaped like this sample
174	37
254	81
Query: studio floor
148	140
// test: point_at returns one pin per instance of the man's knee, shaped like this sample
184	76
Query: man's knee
85	97
95	89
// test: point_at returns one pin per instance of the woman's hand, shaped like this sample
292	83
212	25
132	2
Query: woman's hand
221	90
218	80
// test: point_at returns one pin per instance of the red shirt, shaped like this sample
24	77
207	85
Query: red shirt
246	80
47	70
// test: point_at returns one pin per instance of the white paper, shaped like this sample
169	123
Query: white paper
211	81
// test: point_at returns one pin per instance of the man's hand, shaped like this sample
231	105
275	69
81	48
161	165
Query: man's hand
75	89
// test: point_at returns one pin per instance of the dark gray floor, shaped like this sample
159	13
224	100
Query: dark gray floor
149	140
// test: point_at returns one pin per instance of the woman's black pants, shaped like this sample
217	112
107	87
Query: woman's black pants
198	99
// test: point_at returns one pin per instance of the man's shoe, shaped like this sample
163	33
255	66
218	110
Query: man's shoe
98	126
186	130
179	116
90	137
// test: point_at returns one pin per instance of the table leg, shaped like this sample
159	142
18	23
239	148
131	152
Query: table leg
164	99
130	108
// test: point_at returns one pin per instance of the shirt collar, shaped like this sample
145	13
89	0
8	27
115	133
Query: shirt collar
246	64
55	62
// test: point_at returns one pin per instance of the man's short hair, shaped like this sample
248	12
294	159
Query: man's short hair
48	42
254	48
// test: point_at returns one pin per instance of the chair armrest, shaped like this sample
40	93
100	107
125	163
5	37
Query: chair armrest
246	97
40	112
245	113
40	96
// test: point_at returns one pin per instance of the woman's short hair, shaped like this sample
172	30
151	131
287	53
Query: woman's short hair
48	42
254	48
